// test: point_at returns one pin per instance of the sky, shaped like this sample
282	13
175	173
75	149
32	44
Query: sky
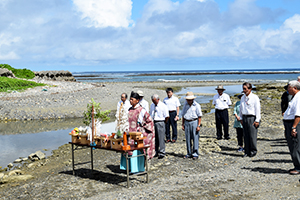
150	35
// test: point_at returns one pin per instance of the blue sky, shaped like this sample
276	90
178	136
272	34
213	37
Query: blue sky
146	35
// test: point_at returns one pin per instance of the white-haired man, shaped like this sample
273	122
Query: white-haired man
160	115
291	119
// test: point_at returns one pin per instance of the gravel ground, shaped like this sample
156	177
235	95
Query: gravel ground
220	172
61	99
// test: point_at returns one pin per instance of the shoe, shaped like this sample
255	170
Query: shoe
186	156
252	155
227	138
168	141
156	155
160	157
241	149
219	138
173	141
294	172
195	157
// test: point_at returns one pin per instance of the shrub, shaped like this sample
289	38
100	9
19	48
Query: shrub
7	84
20	73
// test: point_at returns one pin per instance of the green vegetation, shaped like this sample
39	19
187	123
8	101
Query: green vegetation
20	73
10	84
100	115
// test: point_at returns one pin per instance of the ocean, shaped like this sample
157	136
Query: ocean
280	75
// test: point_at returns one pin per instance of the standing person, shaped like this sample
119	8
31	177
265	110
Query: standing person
173	104
123	102
122	114
237	124
139	121
291	121
285	99
250	118
222	102
160	115
143	102
191	121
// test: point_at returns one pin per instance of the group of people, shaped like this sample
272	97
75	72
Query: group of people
155	123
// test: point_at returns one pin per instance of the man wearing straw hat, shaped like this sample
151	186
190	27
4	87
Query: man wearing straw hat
191	121
222	102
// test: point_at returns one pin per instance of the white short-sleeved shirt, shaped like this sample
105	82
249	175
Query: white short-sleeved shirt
126	105
191	112
293	109
250	105
172	103
145	104
221	102
159	112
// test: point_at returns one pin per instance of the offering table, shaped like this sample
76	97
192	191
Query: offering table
146	172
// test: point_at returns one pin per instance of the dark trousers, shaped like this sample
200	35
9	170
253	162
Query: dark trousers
240	136
160	138
250	135
222	118
173	123
293	142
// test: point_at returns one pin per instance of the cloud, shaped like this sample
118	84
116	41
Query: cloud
99	32
104	13
293	23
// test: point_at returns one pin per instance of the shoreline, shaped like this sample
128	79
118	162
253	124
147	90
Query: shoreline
61	100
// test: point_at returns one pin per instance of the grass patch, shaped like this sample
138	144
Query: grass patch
20	73
10	84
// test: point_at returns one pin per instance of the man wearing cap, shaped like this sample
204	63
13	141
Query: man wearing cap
160	115
291	119
191	121
250	118
221	102
143	102
173	104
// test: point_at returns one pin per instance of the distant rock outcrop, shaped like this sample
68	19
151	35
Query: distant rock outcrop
61	75
6	72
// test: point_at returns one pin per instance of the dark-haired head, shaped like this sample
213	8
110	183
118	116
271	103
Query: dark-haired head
169	89
248	85
134	95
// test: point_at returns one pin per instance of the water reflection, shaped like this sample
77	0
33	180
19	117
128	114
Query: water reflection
23	138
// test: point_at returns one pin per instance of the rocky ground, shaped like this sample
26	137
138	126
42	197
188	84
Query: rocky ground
220	172
60	99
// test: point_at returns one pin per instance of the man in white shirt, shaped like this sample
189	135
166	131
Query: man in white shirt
222	101
191	121
160	115
124	102
291	119
122	113
250	119
143	102
173	104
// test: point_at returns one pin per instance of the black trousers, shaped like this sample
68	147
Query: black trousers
293	142
222	118
250	135
173	123
240	136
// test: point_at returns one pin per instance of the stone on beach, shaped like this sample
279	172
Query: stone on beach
37	156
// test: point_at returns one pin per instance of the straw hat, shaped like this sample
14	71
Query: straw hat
190	96
220	87
140	93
